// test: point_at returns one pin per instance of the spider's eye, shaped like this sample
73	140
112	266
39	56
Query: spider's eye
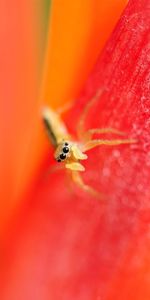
62	156
59	160
65	149
66	144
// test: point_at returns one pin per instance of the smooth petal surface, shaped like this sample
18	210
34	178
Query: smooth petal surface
67	245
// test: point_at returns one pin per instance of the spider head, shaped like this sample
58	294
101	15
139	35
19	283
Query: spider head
69	152
62	152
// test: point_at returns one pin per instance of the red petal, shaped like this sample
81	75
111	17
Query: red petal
68	245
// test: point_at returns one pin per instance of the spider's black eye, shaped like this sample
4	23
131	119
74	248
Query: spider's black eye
62	156
65	149
66	144
59	160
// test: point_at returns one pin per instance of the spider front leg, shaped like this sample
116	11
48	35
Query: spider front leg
78	180
94	143
89	133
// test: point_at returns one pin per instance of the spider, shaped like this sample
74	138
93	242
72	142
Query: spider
71	152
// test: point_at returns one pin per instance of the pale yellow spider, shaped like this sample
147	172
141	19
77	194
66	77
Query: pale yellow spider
71	152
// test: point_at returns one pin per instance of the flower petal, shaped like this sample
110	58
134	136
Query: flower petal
68	245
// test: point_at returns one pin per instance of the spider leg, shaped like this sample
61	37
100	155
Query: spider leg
86	110
75	166
89	133
64	108
94	143
78	180
53	169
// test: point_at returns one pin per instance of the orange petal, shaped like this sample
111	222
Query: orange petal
78	31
